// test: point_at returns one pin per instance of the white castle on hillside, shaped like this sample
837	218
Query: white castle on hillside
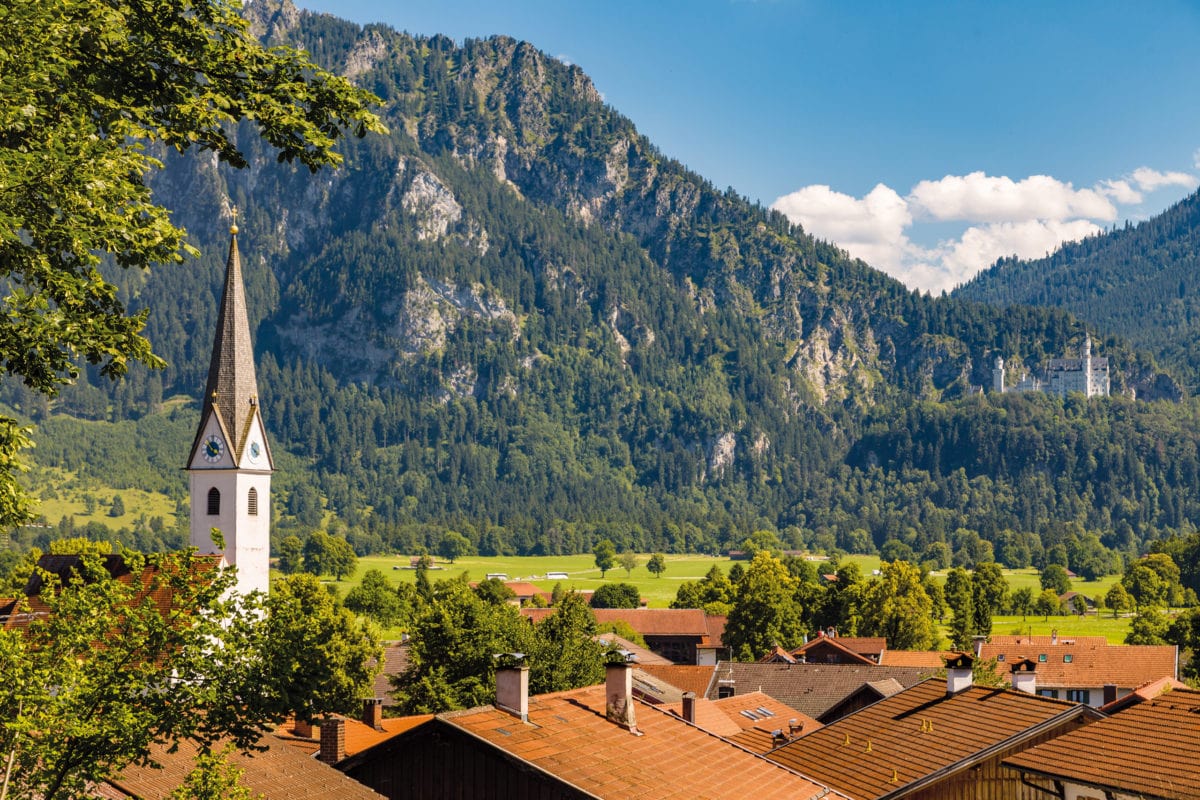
1087	375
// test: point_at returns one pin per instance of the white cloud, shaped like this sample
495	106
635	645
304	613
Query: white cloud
1150	179
1120	191
871	228
999	217
984	198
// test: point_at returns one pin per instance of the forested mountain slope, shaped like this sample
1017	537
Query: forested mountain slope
515	316
1139	282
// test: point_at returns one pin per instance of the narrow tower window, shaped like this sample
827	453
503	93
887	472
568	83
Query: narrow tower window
214	502
252	502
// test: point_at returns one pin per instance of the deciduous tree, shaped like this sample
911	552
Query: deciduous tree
765	611
896	607
606	555
85	87
657	565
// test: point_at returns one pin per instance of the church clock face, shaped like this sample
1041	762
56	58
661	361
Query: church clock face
213	449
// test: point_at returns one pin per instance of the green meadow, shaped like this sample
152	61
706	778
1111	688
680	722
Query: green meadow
582	574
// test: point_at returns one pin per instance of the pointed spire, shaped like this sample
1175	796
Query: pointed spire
232	388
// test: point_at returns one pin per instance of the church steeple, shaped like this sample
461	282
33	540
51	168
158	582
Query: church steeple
230	463
232	388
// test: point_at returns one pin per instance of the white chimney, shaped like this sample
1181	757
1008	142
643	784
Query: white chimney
1024	677
958	673
618	691
512	685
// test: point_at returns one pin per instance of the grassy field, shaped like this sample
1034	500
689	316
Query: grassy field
582	574
70	495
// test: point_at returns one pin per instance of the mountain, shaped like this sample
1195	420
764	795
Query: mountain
1138	282
515	317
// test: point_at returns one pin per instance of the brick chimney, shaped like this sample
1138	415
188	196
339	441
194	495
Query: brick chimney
1024	678
512	685
689	707
958	672
372	715
333	740
618	691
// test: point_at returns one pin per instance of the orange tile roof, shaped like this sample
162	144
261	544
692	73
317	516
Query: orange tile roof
1147	691
1148	750
754	702
843	653
1085	662
919	733
641	654
658	621
932	659
684	677
359	735
569	737
277	772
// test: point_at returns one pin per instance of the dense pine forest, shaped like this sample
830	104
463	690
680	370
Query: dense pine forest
515	318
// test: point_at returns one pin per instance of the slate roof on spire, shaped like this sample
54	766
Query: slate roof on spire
232	388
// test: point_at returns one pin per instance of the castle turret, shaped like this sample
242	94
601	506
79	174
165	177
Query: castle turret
998	376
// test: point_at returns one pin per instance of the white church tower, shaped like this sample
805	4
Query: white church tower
229	470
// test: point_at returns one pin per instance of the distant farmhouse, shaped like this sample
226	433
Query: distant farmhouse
1087	375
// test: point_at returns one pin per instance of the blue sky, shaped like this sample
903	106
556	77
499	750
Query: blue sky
927	138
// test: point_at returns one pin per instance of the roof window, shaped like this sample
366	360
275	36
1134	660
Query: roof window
1041	658
1067	658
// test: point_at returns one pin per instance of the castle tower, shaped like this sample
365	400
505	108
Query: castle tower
998	376
229	469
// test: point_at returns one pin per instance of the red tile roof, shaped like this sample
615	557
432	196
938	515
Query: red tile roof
685	677
1148	750
359	735
755	702
921	733
1085	662
835	651
1142	693
569	737
932	659
278	772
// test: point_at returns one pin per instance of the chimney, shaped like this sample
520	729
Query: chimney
958	673
978	642
1110	693
1054	636
795	726
302	728
689	707
1024	678
618	691
512	685
372	715
333	740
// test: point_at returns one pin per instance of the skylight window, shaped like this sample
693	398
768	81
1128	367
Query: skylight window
765	712
750	715
1041	658
1067	658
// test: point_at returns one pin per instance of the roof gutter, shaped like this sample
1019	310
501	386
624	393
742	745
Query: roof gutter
984	755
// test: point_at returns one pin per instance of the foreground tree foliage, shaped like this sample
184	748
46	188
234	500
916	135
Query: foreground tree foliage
85	88
104	671
458	633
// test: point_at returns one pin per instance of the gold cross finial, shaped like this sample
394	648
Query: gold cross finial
233	228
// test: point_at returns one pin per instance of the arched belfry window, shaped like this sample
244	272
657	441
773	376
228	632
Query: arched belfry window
252	502
214	502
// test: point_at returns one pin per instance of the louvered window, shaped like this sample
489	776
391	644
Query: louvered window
214	502
252	502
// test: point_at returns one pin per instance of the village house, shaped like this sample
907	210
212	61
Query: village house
1147	751
598	741
1084	669
812	689
940	739
682	635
